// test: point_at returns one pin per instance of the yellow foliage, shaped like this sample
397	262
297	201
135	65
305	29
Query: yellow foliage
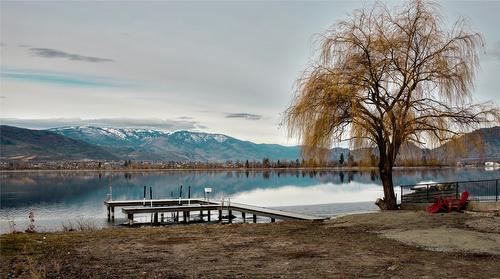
385	77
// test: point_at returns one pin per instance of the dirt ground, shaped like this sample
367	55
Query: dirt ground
381	245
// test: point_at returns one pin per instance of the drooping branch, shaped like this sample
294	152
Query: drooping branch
384	77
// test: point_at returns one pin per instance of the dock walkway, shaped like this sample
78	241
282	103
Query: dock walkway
186	206
272	213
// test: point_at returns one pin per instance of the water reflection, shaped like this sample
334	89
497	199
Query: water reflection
290	195
69	194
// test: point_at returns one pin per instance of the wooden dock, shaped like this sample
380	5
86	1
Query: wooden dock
151	203
186	206
185	209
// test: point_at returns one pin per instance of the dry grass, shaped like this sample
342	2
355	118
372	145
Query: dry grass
341	248
78	226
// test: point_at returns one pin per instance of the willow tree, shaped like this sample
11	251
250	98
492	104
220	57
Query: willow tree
387	77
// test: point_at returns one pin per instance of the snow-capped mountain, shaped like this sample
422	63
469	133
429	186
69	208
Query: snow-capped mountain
145	144
105	136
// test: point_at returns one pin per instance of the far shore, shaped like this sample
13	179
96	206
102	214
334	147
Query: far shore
239	169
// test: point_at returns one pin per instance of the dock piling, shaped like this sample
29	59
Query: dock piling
243	217
130	218
254	218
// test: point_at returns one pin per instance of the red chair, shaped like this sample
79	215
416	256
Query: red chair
459	204
441	205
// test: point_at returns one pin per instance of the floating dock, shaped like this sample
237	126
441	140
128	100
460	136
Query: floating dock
186	206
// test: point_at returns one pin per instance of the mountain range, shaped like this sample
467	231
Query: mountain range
99	143
142	144
19	143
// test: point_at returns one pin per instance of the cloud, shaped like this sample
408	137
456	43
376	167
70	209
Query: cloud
494	50
54	53
145	123
201	127
247	116
61	79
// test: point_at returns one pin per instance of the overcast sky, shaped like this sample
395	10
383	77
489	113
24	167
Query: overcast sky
220	67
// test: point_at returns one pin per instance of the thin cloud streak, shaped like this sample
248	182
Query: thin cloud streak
243	115
62	79
55	53
145	123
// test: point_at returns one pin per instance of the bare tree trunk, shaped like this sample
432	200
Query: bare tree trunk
389	201
389	196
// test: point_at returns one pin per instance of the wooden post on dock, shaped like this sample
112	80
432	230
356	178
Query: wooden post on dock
230	216
220	215
254	218
162	218
130	218
272	220
109	213
112	213
184	216
155	221
208	216
243	217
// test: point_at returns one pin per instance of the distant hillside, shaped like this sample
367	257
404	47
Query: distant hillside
142	144
46	145
479	144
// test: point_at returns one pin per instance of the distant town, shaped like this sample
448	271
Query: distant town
237	164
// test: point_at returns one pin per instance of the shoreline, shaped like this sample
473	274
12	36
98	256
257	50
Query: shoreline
97	222
237	169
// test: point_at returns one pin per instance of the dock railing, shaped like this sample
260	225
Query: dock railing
479	190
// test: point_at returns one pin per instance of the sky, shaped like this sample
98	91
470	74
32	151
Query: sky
218	67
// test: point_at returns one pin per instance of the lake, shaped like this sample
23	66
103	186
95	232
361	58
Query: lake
63	197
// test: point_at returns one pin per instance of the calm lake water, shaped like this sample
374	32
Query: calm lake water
63	197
